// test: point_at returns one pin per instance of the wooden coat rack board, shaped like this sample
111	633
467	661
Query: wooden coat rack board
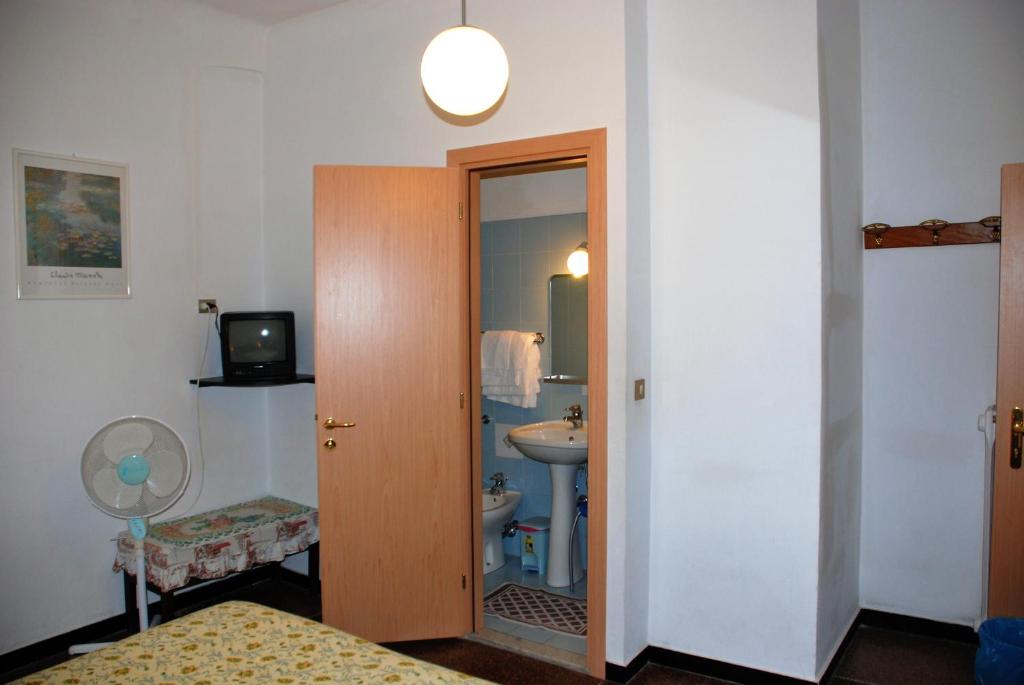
932	233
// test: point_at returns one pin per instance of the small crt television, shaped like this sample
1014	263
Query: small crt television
257	346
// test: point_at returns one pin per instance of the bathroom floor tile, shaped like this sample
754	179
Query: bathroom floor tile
542	638
570	643
512	572
512	628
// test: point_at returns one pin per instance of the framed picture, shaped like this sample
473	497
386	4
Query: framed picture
71	217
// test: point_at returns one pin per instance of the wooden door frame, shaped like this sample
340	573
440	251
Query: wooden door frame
509	158
1006	570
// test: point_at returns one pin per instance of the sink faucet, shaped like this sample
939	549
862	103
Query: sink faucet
500	480
575	415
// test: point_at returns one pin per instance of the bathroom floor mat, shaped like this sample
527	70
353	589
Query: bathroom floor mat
538	608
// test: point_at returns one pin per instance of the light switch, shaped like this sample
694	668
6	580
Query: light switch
639	389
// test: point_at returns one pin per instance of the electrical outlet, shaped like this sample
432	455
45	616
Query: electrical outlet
207	305
639	389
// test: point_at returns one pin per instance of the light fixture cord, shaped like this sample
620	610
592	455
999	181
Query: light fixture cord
463	12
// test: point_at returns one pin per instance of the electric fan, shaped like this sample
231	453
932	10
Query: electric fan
134	468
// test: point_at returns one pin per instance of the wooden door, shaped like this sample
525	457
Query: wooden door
392	358
1006	569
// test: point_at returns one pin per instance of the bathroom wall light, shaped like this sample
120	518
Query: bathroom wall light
464	69
579	261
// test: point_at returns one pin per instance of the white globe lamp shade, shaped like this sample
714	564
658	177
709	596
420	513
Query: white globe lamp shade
464	70
579	261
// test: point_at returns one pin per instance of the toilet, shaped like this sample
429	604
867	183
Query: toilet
498	510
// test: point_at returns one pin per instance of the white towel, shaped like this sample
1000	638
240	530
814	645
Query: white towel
510	367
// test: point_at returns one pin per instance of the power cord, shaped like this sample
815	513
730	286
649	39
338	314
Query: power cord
214	321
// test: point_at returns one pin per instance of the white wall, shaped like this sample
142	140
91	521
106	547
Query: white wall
343	87
126	81
938	123
842	247
736	298
529	195
633	570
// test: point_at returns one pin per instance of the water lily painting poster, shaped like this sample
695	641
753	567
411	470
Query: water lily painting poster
72	225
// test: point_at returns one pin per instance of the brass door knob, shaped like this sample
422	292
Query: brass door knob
330	444
330	423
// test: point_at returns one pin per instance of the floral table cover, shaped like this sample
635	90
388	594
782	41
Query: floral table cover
216	543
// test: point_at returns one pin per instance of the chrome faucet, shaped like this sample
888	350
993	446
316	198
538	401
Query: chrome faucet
575	415
500	480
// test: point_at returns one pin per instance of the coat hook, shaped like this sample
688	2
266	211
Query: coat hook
877	231
935	225
996	224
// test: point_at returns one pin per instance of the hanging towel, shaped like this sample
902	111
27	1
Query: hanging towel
510	367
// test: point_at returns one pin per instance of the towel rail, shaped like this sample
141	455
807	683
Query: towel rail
538	337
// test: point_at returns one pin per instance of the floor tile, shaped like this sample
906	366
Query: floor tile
653	674
534	640
570	643
512	572
885	657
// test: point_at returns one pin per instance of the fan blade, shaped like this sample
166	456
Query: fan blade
114	493
165	473
127	438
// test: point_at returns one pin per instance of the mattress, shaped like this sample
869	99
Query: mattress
239	642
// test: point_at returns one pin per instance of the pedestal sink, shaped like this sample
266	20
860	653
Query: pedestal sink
562	448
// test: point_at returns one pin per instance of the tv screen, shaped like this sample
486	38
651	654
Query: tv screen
257	346
258	341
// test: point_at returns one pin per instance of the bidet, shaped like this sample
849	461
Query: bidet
498	511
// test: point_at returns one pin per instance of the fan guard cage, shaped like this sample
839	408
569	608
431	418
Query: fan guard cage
146	451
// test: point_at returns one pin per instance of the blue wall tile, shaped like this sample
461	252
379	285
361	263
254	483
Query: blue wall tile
519	256
504	237
535	235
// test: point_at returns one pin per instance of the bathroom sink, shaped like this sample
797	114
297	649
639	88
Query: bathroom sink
551	442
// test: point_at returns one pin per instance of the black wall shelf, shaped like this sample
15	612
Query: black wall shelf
219	382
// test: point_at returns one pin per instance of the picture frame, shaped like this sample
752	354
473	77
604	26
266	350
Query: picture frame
72	225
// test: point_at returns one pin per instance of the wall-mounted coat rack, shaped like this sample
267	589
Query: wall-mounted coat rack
932	233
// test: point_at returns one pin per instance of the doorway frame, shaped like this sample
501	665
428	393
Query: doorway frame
1006	561
546	153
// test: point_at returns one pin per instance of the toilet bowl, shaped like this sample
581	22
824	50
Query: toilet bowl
498	510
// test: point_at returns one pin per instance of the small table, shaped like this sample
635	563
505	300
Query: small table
186	551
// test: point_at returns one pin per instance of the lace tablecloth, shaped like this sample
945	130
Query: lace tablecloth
216	543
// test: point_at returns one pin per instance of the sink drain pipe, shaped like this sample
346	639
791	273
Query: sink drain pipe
581	510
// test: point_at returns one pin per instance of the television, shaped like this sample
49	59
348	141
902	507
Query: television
257	346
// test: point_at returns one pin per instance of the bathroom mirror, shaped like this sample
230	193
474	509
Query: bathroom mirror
567	326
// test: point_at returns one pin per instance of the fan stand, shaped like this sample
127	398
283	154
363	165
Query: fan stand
137	527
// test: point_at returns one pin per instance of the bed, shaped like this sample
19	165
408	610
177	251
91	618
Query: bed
239	642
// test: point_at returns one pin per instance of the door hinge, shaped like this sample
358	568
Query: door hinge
460	211
463	582
462	400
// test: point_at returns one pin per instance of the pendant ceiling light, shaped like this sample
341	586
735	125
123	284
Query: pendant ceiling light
464	69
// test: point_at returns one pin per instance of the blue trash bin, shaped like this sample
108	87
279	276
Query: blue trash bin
1000	658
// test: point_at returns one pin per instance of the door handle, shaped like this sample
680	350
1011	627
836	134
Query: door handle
1016	437
330	424
330	444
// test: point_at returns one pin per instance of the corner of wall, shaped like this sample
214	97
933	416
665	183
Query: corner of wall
842	325
637	495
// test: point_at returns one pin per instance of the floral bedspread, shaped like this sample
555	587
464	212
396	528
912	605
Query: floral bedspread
239	642
216	543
